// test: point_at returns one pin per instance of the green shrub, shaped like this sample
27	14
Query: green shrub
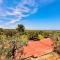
40	37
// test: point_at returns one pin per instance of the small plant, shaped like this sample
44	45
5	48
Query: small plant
40	37
24	39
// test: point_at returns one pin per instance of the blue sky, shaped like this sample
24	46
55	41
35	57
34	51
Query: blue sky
33	14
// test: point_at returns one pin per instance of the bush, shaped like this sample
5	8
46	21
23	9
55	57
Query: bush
40	37
23	39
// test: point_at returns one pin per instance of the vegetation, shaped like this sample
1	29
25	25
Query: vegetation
19	36
20	28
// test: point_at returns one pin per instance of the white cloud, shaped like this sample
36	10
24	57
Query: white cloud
3	26
7	26
21	7
21	10
14	21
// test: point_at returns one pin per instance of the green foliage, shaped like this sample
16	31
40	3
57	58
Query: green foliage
33	36
21	37
1	31
40	37
24	39
20	28
10	33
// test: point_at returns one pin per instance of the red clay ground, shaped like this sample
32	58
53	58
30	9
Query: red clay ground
38	48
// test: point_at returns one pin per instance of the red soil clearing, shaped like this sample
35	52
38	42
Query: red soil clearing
38	48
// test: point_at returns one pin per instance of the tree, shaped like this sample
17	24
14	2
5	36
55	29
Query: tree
20	28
